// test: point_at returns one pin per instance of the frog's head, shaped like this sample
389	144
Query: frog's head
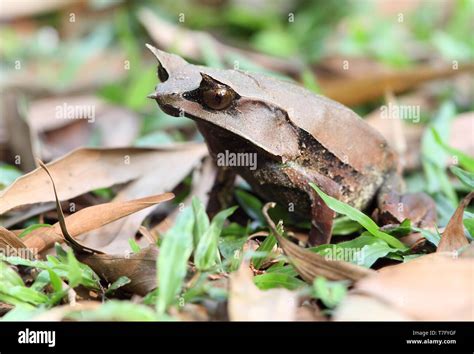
229	99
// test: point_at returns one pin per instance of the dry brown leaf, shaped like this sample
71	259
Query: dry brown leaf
163	174
462	129
90	218
249	303
462	132
24	213
115	126
12	9
11	244
190	312
86	169
310	265
189	43
405	138
19	138
435	287
453	237
39	78
203	180
373	84
356	307
139	267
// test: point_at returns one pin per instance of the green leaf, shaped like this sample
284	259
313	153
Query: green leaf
74	269
281	268
105	193
331	293
114	310
121	281
401	230
469	224
26	294
266	246
65	266
139	88
201	220
363	250
22	313
309	80
467	178
251	205
431	236
434	156
8	174
56	282
361	218
277	280
134	245
207	254
345	226
173	258
8	276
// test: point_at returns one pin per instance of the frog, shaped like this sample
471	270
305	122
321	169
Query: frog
296	136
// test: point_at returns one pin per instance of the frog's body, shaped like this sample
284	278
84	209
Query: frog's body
298	137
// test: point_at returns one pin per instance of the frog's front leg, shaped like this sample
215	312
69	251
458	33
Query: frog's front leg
394	206
321	215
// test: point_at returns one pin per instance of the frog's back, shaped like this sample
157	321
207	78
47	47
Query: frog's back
340	130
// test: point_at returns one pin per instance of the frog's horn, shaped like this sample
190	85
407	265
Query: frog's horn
168	61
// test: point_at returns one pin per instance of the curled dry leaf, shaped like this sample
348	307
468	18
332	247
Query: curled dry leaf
433	288
310	264
90	218
453	237
248	303
139	267
11	244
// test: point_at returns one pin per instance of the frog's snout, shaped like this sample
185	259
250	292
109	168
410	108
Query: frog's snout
165	101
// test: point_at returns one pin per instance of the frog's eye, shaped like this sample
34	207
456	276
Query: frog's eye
162	73
218	97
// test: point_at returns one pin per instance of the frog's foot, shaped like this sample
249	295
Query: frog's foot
322	216
393	208
321	223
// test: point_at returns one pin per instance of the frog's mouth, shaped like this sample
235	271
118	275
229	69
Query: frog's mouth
164	105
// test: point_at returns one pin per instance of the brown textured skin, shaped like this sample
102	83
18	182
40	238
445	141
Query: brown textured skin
299	137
